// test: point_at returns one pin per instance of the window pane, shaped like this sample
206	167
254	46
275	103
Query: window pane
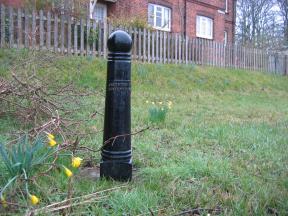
158	9
151	14
210	28
158	22
166	18
98	13
203	26
158	14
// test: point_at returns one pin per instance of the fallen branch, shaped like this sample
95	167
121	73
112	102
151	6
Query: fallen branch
73	201
199	211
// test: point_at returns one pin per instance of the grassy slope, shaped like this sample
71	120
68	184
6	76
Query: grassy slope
224	142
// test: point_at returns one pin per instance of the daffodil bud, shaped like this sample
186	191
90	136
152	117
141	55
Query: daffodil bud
67	172
34	199
76	162
50	136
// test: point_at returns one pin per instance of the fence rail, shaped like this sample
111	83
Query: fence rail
44	30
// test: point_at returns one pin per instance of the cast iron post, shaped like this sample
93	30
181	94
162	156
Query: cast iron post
116	152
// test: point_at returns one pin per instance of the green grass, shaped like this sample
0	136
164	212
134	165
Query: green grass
223	143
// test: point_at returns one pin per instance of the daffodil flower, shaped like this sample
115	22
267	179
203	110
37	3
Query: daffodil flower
147	101
67	172
3	202
34	199
76	162
160	102
52	142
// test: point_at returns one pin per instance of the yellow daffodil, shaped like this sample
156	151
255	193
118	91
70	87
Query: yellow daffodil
67	172
147	101
52	142
160	102
153	103
50	136
3	202
34	199
76	162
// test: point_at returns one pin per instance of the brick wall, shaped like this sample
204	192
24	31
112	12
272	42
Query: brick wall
13	3
209	8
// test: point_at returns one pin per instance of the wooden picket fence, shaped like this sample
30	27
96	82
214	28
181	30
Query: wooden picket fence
44	30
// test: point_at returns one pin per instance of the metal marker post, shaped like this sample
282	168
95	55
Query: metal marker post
116	152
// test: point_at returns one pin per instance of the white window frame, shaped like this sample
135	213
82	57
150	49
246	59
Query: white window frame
206	23
153	16
104	7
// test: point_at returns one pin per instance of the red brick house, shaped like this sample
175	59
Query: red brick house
209	19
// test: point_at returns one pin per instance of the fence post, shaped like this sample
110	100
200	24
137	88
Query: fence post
41	29
157	46
161	46
139	44
94	41
88	35
105	26
69	32
55	32
144	44
99	50
19	28
48	36
286	65
75	38
62	32
81	36
11	27
149	46
33	33
2	25
153	46
116	151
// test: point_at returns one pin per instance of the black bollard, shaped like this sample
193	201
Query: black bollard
116	152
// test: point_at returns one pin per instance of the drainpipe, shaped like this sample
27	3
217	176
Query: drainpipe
234	20
185	17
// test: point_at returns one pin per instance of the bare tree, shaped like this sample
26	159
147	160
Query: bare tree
257	23
75	8
283	12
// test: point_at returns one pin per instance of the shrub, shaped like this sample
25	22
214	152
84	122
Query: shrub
126	22
26	159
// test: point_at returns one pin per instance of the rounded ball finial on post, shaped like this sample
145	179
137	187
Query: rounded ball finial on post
119	41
